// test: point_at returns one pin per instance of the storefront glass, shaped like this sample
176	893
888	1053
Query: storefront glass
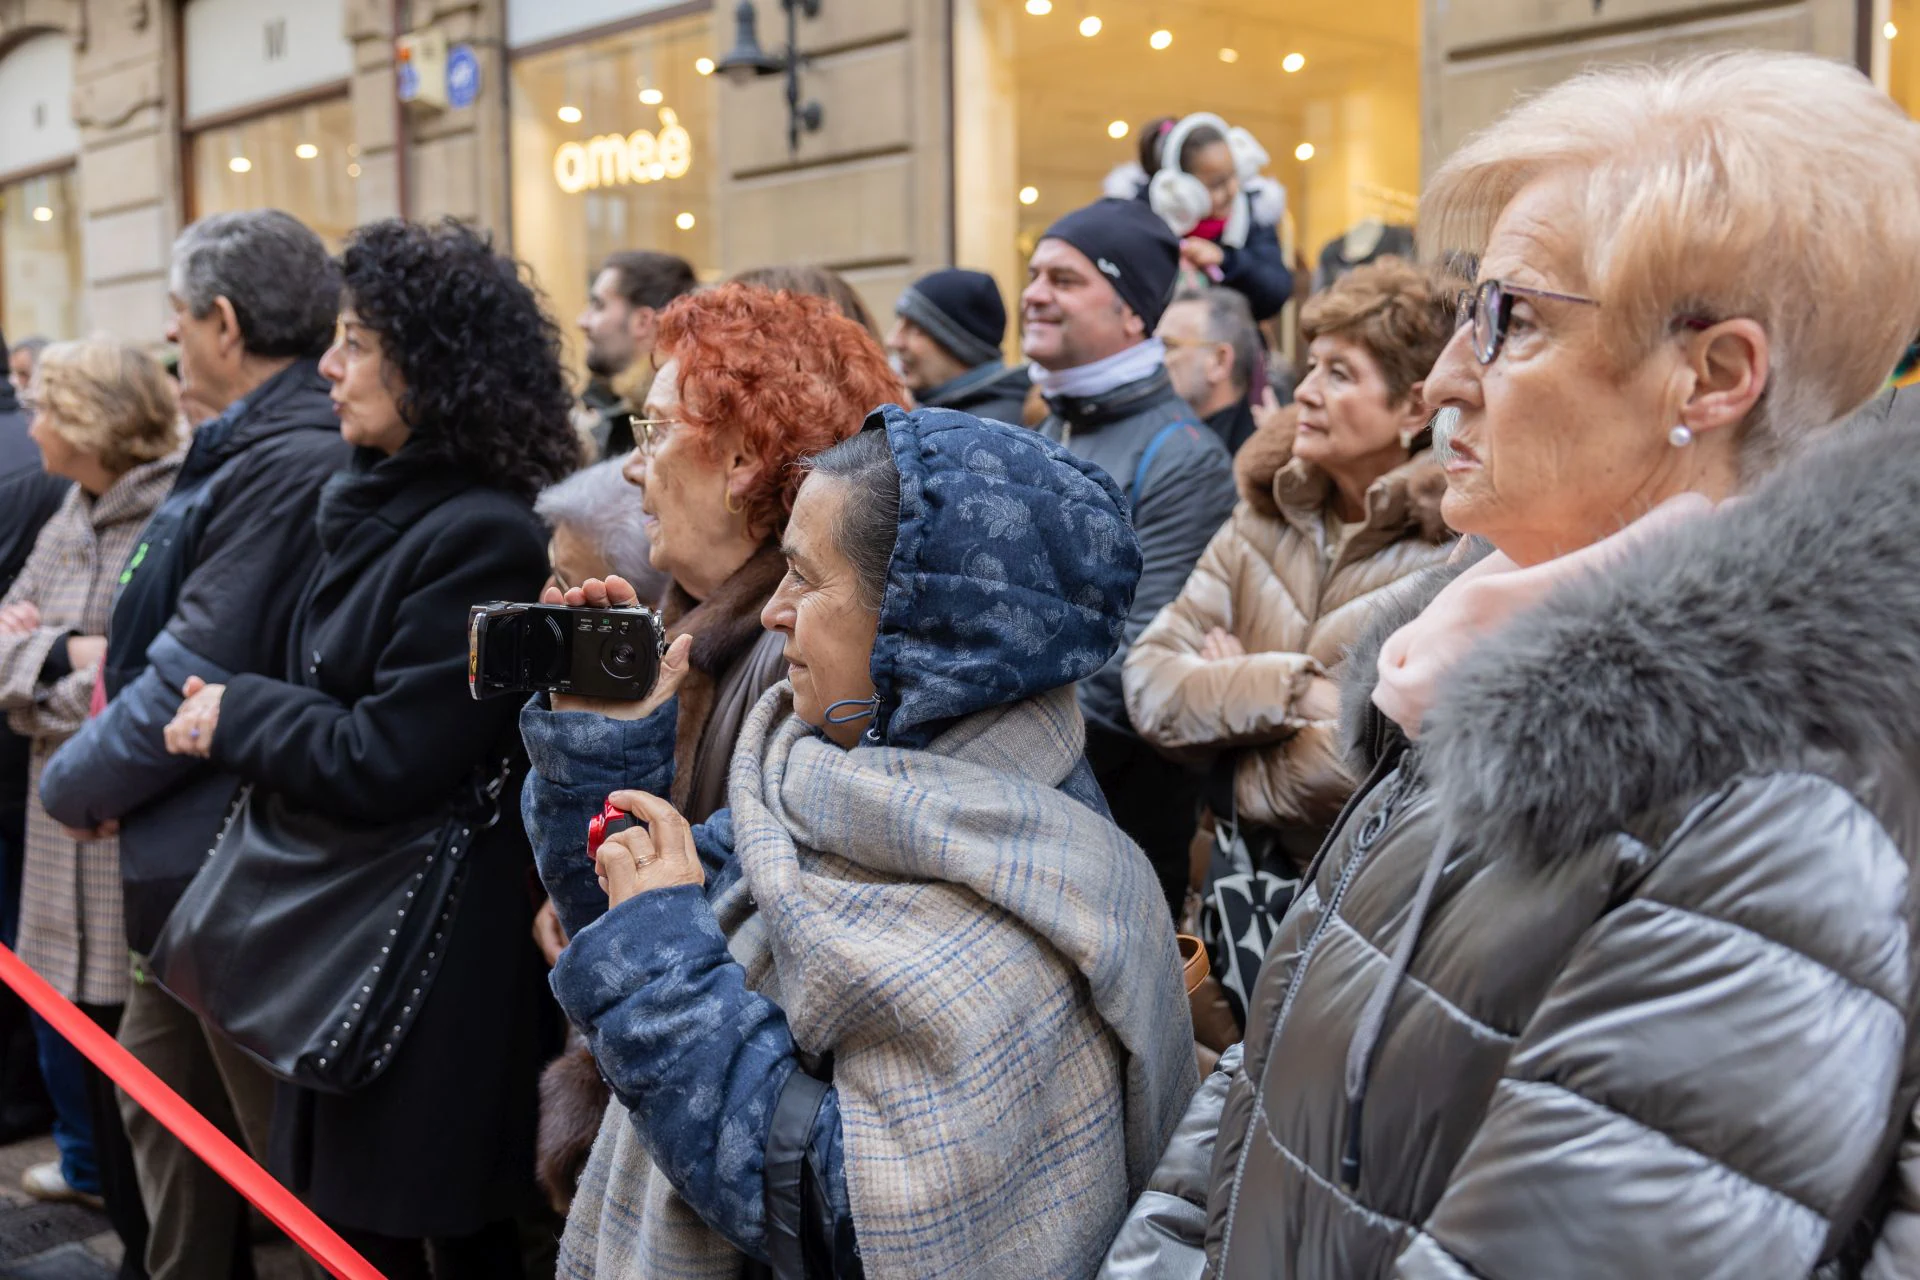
40	264
613	148
301	159
1051	96
40	285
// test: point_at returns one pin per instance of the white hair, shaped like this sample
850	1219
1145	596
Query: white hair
599	504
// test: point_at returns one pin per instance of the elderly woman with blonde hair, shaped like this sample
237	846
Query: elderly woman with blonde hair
1608	968
105	417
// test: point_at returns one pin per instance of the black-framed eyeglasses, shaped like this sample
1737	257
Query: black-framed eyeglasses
1488	307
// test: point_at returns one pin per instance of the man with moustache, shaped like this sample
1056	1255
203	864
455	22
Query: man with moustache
1097	284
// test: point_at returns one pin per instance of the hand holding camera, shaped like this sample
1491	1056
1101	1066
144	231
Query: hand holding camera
594	648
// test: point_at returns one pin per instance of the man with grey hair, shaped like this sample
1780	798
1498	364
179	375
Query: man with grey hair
1213	348
209	592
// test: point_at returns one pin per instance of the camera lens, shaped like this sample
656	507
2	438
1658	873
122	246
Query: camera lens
621	660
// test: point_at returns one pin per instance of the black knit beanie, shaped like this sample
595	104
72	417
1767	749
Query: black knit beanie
1131	246
960	310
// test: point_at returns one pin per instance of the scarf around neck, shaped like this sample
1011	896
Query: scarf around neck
1139	361
1416	659
988	961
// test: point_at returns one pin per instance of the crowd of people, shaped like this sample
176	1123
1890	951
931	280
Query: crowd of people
1140	810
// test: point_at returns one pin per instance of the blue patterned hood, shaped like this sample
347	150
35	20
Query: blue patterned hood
1012	573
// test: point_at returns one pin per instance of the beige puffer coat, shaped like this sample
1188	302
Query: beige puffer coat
1295	594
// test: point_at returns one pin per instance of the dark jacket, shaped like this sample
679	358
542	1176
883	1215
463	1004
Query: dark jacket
1259	272
209	592
1182	492
951	642
1233	424
1661	1009
29	497
991	391
372	721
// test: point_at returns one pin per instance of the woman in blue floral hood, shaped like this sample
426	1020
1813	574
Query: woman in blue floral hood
909	1006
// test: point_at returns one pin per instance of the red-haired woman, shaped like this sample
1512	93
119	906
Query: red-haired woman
749	382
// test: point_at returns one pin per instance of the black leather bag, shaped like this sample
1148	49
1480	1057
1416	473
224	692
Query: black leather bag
311	941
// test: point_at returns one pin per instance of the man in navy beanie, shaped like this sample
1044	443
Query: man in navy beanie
946	345
1096	286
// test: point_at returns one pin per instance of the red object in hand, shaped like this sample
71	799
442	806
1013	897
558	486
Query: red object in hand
609	821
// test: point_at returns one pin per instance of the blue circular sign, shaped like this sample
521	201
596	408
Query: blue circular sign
463	76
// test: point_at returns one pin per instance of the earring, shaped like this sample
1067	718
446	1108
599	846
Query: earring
1681	436
731	509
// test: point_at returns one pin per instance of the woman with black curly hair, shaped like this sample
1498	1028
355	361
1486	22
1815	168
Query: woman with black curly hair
447	378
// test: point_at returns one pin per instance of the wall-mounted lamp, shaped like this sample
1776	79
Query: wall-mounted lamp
747	60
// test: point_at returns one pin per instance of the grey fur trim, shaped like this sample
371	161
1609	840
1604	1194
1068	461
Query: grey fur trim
1782	633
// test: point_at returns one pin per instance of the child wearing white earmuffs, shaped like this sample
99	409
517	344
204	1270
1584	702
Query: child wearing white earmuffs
1203	177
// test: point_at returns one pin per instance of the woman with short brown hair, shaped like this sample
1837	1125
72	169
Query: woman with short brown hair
104	416
1339	503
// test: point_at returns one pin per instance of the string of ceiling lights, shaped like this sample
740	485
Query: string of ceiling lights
1159	40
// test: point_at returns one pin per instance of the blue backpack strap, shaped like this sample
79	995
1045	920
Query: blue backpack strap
1146	459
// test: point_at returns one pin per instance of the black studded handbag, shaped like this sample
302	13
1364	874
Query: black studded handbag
312	941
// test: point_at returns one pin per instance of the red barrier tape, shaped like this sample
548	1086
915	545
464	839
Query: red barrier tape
170	1109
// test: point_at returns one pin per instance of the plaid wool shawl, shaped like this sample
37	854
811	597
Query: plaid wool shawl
992	965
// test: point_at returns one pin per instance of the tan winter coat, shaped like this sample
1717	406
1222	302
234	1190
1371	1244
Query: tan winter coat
1295	593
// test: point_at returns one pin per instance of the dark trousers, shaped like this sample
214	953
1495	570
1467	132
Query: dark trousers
491	1253
119	1185
1154	800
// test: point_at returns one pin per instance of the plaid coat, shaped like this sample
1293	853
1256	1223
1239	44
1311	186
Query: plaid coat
70	917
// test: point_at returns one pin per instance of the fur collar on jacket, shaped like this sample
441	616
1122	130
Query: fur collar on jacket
1276	485
727	623
1781	633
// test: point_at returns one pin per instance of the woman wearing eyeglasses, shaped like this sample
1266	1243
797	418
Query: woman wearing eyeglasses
1608	969
750	382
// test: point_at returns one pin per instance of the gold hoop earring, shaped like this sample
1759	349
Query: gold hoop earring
731	509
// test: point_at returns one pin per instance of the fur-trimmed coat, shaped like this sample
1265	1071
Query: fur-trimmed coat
1664	985
1296	592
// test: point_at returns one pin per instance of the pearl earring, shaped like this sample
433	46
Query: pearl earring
1681	436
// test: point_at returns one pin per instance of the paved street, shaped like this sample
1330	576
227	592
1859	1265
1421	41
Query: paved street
71	1242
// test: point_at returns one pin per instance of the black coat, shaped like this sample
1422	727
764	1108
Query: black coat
985	391
28	499
374	722
210	592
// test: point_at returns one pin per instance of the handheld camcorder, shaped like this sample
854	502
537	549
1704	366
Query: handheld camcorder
553	648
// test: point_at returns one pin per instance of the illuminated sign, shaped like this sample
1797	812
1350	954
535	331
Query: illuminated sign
612	159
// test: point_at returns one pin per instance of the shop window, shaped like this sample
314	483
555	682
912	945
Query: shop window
613	148
1050	99
40	284
301	159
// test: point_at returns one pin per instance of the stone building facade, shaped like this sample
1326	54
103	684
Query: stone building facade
949	129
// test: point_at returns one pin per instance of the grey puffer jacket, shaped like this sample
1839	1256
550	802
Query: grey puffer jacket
1178	477
1652	857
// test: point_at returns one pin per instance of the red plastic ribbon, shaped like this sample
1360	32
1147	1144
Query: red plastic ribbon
300	1223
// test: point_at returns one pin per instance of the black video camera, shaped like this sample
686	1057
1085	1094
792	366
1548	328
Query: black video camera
554	648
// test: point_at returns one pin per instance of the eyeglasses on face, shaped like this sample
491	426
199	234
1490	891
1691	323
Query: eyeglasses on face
1488	308
649	432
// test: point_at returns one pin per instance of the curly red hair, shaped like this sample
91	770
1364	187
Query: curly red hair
787	371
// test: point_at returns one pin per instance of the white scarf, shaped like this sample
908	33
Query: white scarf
1096	379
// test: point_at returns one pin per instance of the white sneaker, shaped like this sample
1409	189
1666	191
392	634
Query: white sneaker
46	1182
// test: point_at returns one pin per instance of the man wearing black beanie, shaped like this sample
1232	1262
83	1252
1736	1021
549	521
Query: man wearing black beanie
945	344
1097	283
